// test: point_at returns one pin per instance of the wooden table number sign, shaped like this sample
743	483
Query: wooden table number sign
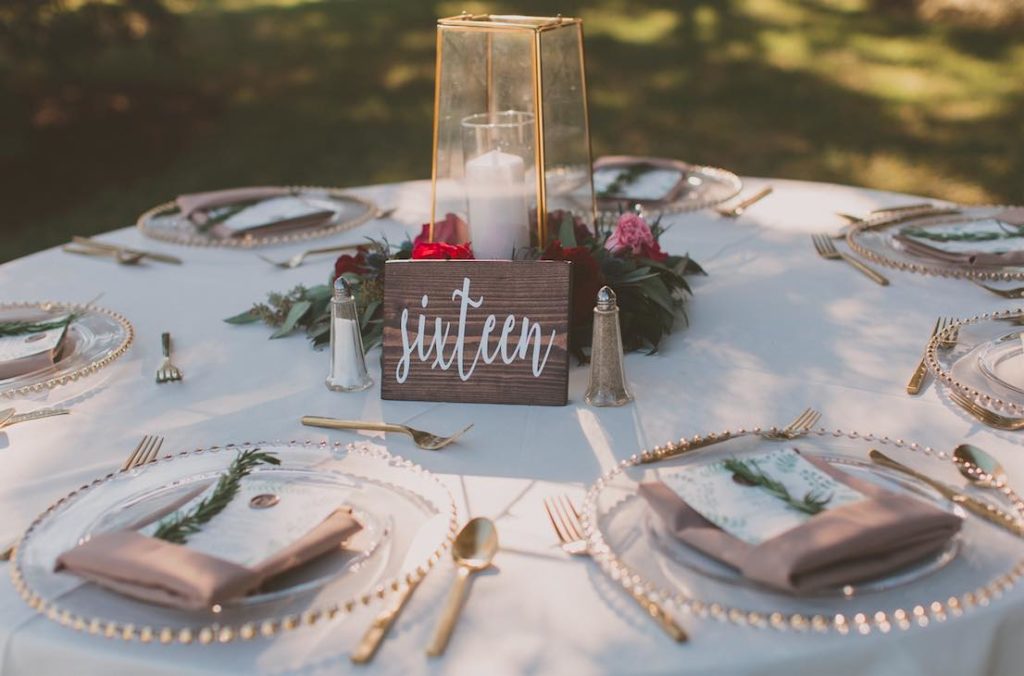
477	331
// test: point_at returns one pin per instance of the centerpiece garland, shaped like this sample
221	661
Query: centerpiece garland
650	284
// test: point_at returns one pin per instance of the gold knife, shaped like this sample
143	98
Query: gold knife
917	378
163	258
981	508
34	415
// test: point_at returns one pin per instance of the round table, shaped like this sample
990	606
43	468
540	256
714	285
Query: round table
773	328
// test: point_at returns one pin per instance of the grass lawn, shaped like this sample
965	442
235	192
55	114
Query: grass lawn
341	93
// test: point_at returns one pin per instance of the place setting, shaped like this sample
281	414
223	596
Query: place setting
802	528
44	345
980	244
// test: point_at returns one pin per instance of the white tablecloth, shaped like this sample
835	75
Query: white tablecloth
774	328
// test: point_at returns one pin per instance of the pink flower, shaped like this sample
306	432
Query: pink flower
451	230
633	234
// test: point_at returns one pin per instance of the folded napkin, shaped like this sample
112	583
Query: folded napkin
1014	216
31	351
851	543
195	205
169	574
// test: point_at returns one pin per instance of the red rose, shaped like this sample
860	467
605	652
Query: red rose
441	251
451	230
587	279
354	264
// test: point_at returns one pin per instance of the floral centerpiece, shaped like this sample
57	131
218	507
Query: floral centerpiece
650	283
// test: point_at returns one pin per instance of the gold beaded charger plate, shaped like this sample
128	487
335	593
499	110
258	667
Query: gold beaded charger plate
982	357
409	519
164	222
976	242
94	339
980	564
660	185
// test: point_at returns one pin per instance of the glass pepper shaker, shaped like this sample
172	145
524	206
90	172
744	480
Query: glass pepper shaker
607	373
348	364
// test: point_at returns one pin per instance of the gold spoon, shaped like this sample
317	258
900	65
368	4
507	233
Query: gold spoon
971	457
473	550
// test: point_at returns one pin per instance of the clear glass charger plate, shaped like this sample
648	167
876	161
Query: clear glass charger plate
699	187
164	222
409	520
94	339
625	539
876	239
982	358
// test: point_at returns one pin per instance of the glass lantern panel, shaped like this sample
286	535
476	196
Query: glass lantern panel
486	135
567	161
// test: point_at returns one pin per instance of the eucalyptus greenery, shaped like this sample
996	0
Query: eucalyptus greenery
625	178
178	528
20	328
812	502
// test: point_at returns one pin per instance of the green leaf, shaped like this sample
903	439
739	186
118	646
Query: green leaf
567	231
294	315
247	317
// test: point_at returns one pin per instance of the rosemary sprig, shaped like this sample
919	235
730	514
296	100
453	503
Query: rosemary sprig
178	529
812	502
16	328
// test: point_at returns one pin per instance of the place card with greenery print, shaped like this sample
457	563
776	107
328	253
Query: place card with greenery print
770	494
986	235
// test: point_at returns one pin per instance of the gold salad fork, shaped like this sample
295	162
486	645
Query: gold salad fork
145	452
167	372
425	440
990	418
296	260
565	519
921	371
827	249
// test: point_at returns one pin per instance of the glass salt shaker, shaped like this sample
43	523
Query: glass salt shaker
348	364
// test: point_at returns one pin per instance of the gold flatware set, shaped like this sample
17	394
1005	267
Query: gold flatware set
123	255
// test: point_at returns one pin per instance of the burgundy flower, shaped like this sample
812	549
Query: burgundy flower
587	279
353	264
441	251
451	230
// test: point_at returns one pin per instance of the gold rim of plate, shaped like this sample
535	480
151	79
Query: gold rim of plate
889	219
144	224
986	400
206	634
90	368
859	624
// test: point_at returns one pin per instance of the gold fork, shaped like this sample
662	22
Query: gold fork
921	371
565	519
167	372
296	260
425	440
827	249
990	418
145	452
736	211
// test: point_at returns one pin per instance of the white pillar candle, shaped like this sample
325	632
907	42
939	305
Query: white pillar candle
498	215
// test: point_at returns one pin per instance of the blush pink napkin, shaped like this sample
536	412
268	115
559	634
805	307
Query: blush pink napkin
848	544
1014	216
161	572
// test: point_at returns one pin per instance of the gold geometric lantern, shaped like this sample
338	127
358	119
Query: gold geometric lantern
511	132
